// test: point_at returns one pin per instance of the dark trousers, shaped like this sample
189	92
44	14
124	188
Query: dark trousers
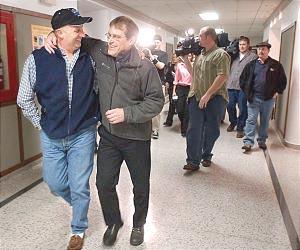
171	110
182	106
112	152
203	129
237	97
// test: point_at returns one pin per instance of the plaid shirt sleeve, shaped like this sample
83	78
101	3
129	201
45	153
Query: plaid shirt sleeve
26	94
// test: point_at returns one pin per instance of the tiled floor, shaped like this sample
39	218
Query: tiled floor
231	205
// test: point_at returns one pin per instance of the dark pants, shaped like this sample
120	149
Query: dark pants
203	129
182	106
112	152
171	110
237	97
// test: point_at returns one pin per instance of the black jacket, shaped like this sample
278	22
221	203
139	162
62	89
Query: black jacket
275	79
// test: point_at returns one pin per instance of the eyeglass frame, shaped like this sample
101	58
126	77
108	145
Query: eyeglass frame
113	36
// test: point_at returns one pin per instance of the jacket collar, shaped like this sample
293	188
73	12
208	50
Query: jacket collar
130	59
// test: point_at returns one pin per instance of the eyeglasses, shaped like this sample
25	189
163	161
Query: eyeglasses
115	37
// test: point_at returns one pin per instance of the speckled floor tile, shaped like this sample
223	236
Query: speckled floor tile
19	179
231	205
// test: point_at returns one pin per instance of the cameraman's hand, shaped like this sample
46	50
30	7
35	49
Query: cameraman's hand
203	101
50	43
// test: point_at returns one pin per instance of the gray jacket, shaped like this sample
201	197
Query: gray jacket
237	69
134	86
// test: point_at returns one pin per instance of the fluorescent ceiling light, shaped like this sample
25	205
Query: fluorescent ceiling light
219	31
209	16
145	37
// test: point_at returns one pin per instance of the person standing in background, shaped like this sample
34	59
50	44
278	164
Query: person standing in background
170	73
182	83
160	59
235	94
262	80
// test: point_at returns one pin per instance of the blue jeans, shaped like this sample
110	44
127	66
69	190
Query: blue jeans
203	129
237	97
264	109
67	166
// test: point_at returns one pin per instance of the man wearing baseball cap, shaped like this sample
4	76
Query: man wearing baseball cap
63	85
261	80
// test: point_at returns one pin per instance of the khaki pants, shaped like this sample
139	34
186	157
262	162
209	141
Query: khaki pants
156	119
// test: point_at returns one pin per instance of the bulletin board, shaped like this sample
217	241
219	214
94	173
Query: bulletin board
39	35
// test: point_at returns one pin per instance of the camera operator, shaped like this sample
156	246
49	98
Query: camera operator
207	99
160	59
235	94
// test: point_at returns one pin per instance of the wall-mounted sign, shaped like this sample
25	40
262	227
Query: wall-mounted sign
39	35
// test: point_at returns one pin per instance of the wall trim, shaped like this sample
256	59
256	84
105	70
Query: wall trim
19	165
288	221
25	12
4	104
282	140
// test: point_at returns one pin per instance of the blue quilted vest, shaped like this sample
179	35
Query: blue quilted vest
57	119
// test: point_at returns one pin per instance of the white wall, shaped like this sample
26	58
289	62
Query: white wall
101	18
35	5
289	15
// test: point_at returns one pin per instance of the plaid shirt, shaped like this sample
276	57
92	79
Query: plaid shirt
26	94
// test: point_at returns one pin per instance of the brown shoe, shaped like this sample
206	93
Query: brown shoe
247	147
240	134
190	167
230	128
206	163
76	242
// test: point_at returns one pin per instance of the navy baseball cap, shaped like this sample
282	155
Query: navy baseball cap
68	16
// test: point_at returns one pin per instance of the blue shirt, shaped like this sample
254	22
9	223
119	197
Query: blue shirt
260	72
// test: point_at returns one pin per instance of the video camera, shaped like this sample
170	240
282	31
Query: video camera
189	45
233	49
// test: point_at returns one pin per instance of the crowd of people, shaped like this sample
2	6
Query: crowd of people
80	81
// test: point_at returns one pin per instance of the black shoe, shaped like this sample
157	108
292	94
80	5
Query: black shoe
190	167
137	236
230	128
183	134
262	145
206	163
247	148
167	124
110	235
240	134
155	135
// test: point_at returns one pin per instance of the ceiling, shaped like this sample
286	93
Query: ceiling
236	17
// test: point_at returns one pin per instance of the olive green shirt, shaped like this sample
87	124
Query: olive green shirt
207	66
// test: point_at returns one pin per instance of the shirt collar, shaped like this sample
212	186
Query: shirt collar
204	51
261	61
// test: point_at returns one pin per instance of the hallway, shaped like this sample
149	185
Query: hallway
231	205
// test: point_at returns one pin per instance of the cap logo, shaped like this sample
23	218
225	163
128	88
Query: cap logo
74	11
